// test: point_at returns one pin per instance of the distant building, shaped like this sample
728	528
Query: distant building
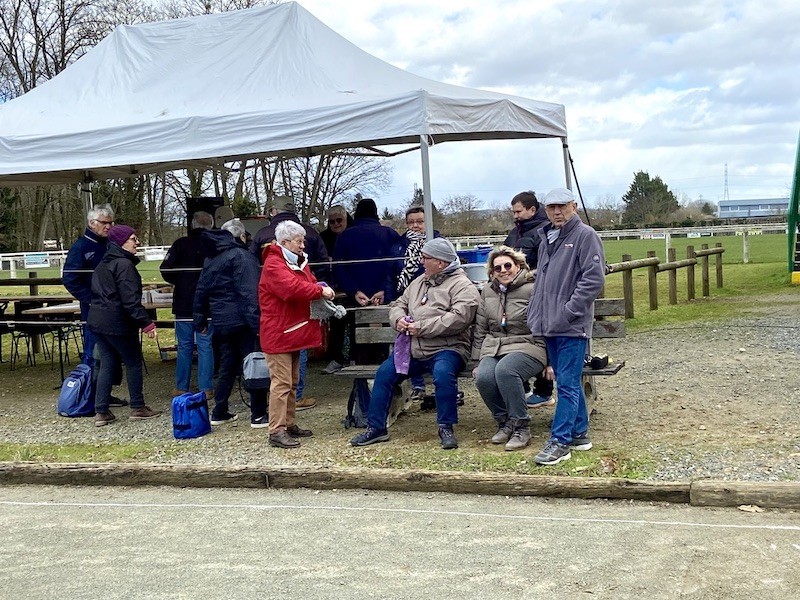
756	207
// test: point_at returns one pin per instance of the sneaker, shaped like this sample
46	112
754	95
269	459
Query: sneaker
503	434
260	422
222	419
282	440
448	438
332	367
296	432
305	404
537	401
417	395
519	439
117	402
370	436
103	419
144	412
581	442
553	453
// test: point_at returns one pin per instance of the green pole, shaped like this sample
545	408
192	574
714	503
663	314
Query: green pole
794	208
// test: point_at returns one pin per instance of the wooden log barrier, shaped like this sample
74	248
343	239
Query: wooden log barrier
766	494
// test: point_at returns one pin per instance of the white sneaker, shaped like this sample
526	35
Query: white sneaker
332	367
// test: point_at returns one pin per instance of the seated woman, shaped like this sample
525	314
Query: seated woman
509	354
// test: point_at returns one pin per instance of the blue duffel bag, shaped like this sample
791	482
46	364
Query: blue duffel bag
190	416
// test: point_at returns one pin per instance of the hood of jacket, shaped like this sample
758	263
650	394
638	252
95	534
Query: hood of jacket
116	251
220	240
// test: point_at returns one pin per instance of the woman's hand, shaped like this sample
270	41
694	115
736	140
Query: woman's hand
328	293
475	373
361	298
152	333
549	374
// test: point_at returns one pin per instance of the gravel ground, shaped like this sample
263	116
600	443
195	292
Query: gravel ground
707	400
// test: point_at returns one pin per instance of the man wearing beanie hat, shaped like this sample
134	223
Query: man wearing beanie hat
570	276
115	317
436	311
362	271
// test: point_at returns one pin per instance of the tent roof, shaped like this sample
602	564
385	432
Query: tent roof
270	81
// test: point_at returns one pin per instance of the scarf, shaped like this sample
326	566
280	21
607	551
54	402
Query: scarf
413	258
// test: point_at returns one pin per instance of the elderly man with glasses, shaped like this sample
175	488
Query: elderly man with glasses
82	259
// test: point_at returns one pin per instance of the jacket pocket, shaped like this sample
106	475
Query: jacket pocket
296	327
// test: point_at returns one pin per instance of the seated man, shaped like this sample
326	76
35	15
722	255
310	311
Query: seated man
436	311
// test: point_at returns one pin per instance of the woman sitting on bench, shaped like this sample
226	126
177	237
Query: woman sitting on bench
509	354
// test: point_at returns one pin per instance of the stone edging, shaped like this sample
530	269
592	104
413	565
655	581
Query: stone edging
697	493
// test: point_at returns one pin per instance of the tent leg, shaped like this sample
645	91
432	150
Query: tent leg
567	175
86	194
426	186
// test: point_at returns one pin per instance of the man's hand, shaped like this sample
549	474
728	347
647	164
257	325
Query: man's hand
377	299
152	333
549	374
361	298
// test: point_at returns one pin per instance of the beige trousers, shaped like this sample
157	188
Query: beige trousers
284	370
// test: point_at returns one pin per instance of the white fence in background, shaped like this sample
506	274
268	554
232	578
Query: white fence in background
36	260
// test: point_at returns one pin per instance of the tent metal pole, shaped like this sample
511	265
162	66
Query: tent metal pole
86	194
427	203
567	175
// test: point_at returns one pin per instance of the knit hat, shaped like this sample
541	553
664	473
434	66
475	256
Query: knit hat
119	234
558	196
440	249
366	208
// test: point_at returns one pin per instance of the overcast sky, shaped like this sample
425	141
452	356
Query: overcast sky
677	89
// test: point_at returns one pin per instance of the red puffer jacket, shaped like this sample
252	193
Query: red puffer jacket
285	292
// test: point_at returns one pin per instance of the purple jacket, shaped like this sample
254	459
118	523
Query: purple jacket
570	276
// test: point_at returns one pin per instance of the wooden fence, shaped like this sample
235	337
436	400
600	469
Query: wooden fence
654	266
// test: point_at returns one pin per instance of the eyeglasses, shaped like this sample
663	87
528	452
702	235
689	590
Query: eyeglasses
134	239
104	222
416	222
505	266
338	221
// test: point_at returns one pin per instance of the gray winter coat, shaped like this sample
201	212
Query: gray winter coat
570	276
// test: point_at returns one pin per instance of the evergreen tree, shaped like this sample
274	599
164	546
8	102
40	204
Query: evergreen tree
648	200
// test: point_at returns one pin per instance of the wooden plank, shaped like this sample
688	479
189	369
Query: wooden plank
368	371
504	484
766	494
372	314
609	307
375	335
608	329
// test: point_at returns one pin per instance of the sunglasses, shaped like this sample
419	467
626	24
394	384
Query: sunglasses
338	221
504	267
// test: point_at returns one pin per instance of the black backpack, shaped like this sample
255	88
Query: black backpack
358	405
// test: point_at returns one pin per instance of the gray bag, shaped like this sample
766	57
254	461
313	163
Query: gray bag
255	372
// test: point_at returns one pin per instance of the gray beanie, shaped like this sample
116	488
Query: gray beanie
440	249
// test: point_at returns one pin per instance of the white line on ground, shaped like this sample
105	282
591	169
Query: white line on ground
398	510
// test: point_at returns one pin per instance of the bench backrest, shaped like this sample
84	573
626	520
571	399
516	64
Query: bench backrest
372	323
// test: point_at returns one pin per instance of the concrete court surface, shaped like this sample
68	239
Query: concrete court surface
130	543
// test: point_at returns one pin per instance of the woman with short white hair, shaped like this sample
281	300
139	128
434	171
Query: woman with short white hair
285	292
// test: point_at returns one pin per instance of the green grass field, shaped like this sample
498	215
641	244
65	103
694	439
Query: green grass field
763	248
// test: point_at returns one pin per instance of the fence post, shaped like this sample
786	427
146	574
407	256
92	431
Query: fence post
718	264
705	274
690	273
652	283
745	247
627	288
33	287
672	278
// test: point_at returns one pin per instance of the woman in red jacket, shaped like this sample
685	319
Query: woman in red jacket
285	292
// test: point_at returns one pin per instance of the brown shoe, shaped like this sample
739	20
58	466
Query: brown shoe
296	432
282	440
209	394
144	412
305	403
103	419
177	392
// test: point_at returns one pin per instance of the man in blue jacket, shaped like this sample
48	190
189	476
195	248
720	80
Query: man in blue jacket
570	276
83	257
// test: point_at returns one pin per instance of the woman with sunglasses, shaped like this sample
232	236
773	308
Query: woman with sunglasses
509	354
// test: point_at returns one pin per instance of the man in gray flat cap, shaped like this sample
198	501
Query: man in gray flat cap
435	312
570	276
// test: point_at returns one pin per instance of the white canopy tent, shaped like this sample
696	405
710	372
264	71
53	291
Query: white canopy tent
270	81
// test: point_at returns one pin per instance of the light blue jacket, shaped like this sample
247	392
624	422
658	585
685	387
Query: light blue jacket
570	276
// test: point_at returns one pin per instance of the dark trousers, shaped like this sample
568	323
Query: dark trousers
233	347
113	351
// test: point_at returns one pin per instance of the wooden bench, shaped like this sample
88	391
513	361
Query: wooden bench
372	327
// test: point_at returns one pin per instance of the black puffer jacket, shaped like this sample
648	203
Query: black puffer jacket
117	295
523	237
227	292
188	252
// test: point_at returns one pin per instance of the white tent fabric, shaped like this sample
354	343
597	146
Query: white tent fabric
271	81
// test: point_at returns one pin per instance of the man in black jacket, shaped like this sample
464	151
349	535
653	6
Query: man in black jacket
181	267
528	217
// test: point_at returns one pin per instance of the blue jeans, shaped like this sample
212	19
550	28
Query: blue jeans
301	381
444	366
417	382
187	338
566	357
113	350
88	337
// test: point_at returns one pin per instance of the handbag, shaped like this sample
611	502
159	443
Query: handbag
255	372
